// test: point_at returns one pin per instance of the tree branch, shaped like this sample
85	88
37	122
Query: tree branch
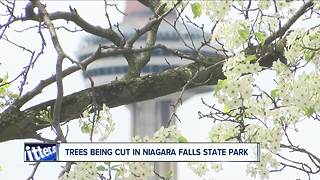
280	32
60	57
17	124
74	17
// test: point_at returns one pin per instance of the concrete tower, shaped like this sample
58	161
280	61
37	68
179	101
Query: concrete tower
147	116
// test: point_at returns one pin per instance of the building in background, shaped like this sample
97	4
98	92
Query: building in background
147	116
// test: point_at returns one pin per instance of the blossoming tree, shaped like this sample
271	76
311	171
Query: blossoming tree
251	38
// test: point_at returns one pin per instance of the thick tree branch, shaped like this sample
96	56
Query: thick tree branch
95	30
74	17
98	54
137	62
18	125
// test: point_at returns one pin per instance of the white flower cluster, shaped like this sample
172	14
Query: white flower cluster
263	5
233	35
140	170
282	4
299	93
104	123
223	132
201	168
263	167
306	97
134	171
217	9
45	115
259	108
170	134
269	138
109	124
239	65
284	75
236	90
317	5
7	97
305	92
216	167
121	171
295	97
303	45
82	171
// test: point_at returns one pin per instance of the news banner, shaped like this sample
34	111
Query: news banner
142	152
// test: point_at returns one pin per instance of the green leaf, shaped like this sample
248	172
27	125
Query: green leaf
244	32
226	109
169	174
15	96
1	169
85	128
5	77
308	55
4	80
309	111
182	139
220	85
114	167
196	9
275	93
101	168
2	90
251	58
261	36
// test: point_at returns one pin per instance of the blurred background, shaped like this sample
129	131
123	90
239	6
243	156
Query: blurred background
141	118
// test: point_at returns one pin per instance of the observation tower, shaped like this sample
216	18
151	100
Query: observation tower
147	116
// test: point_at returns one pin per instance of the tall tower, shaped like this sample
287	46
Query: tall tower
147	116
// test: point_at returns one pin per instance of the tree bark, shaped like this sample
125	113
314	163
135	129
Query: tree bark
16	124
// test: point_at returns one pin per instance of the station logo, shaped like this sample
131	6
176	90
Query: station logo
40	152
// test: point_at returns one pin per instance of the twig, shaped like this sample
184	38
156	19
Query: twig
281	31
31	177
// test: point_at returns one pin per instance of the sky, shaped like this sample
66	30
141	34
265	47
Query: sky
11	157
